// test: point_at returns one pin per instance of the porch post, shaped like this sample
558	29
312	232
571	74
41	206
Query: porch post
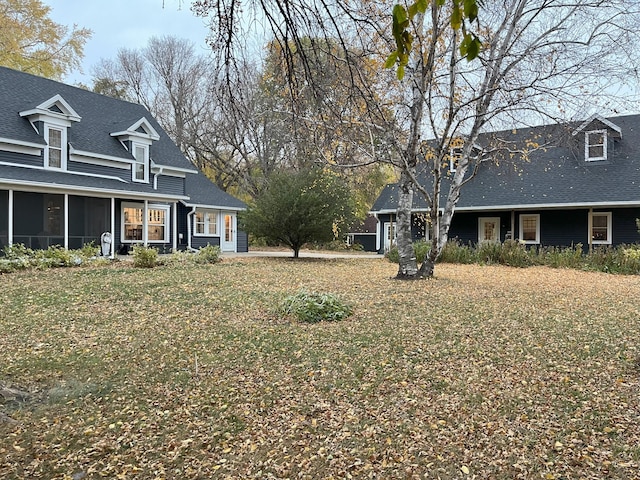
145	223
10	217
66	221
513	225
113	227
378	234
175	226
590	232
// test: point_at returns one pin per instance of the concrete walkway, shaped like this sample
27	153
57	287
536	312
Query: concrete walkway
303	254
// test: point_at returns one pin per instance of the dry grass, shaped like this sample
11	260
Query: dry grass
186	372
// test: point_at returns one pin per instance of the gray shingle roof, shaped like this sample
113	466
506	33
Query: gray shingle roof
82	183
101	116
554	176
203	191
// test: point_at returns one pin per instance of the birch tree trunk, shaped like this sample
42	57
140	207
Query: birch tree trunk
408	265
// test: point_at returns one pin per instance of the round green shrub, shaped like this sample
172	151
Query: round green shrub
311	307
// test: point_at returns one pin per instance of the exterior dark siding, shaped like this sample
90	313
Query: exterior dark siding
199	242
243	241
99	170
22	158
171	185
182	225
625	229
367	240
563	228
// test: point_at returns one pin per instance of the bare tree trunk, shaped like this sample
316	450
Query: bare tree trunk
408	266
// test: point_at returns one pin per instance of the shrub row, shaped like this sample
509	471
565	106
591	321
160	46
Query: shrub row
18	257
147	257
623	259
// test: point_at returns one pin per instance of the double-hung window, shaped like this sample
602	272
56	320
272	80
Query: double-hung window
530	228
595	145
601	228
141	162
206	223
455	154
55	153
133	223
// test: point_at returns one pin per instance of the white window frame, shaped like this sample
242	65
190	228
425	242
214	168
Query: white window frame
609	218
136	162
481	221
455	154
523	217
63	146
588	145
150	208
207	222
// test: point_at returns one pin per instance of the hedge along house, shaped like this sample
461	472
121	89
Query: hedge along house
75	164
581	185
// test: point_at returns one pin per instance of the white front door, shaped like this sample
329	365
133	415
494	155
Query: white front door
389	235
228	239
488	229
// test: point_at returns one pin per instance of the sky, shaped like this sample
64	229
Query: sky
125	24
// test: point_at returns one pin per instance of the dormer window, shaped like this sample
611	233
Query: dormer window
141	163
455	154
595	145
55	155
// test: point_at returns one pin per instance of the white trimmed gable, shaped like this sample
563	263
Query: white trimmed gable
54	109
615	130
140	130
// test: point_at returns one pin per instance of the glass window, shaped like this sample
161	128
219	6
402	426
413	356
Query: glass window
206	223
455	154
488	229
601	228
596	145
133	225
54	154
140	153
530	228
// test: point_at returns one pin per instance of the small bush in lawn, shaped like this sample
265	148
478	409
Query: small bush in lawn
489	252
315	307
208	254
144	257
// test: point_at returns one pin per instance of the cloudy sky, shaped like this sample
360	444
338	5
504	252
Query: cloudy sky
125	23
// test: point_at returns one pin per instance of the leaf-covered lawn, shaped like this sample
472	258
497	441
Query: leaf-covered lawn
186	372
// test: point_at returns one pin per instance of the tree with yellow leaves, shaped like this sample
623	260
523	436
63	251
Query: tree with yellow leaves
31	42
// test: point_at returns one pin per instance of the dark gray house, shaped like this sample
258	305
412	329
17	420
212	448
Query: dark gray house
75	165
582	187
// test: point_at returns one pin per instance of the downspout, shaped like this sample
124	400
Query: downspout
189	220
155	178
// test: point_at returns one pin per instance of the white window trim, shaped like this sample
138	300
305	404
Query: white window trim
167	222
481	220
609	217
63	146
216	213
522	218
587	144
455	154
146	162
